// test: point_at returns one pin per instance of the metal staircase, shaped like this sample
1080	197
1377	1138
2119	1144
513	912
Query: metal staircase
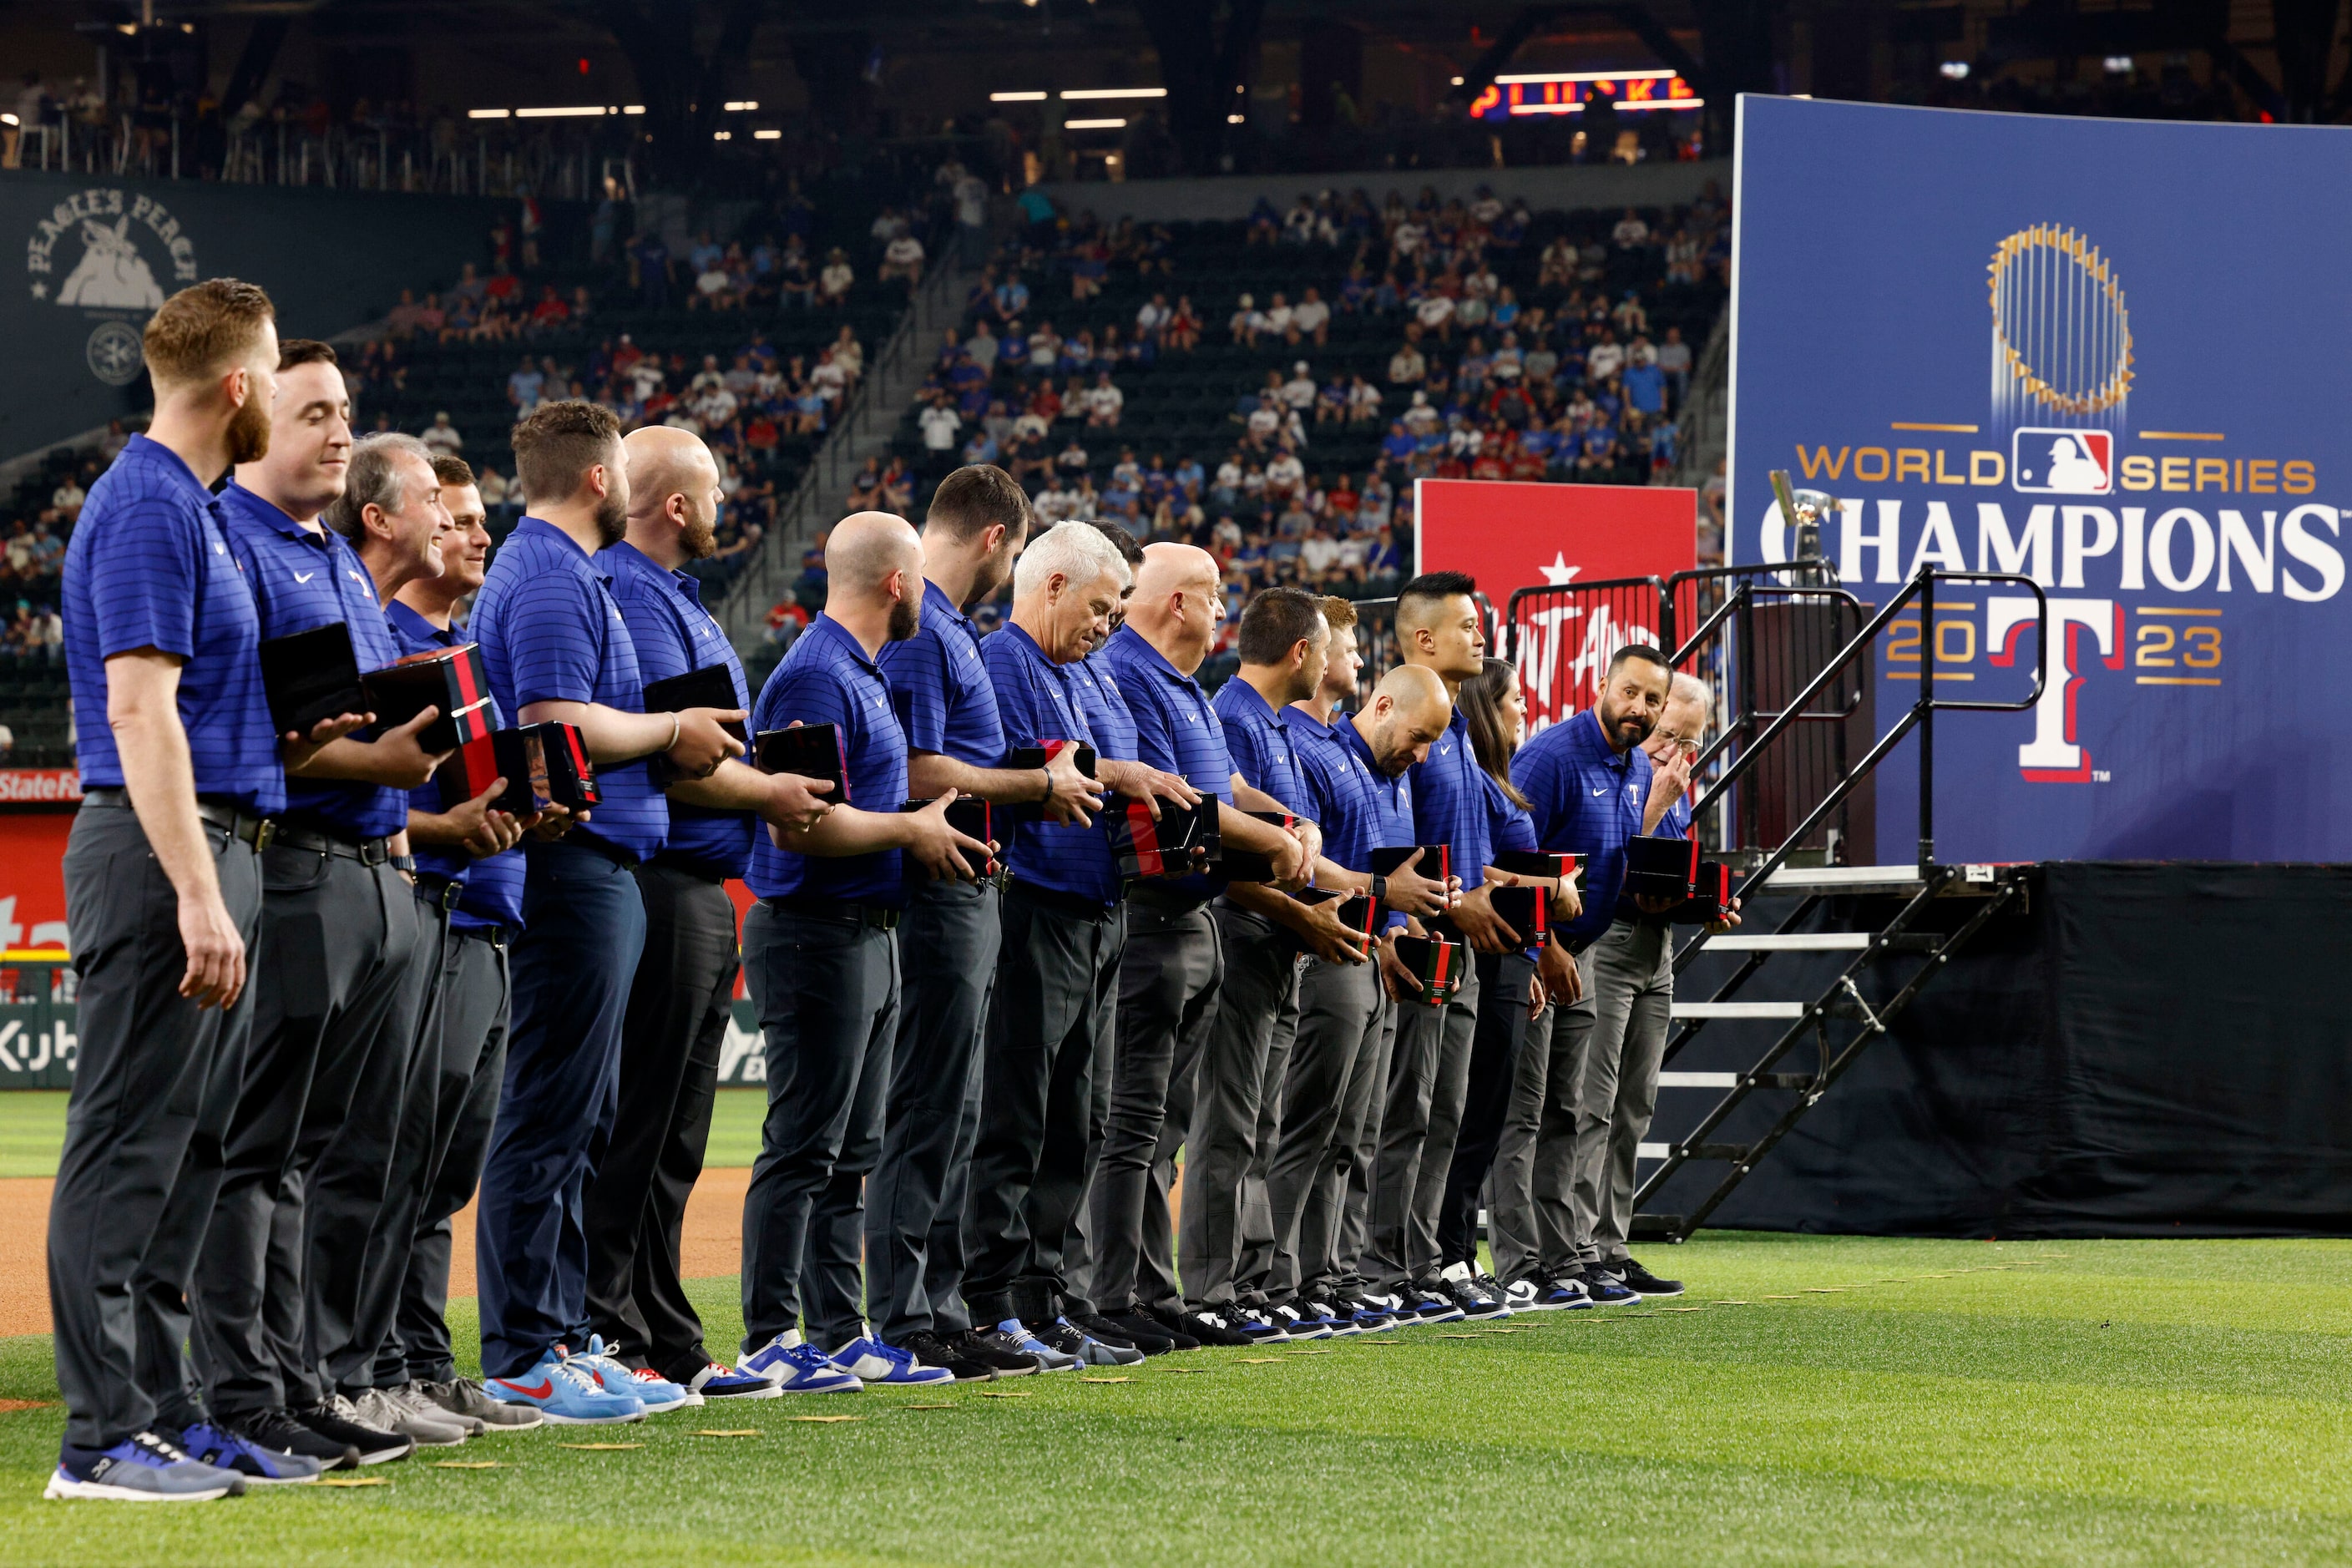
1836	950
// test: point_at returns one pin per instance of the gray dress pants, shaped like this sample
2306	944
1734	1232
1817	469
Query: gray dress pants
1429	1075
1632	1007
155	1087
1532	1227
1169	983
1237	1070
1340	1018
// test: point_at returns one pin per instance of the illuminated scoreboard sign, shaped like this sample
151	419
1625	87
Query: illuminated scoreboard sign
1566	93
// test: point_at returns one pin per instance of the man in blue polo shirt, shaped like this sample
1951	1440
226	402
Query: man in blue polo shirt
557	649
308	1156
1587	780
468	863
1172	965
975	527
178	770
820	957
1632	999
684	989
1352	768
1056	969
1437	628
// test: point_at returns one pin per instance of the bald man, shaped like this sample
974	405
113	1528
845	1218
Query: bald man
1354	767
821	964
685	983
1170	971
821	959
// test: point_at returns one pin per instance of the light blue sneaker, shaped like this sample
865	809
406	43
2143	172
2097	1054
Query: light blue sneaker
868	1359
796	1367
657	1393
565	1393
140	1469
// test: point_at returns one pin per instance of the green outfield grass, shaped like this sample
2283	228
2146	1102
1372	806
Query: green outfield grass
33	1129
1866	1402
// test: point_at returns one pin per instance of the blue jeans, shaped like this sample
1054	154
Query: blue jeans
584	923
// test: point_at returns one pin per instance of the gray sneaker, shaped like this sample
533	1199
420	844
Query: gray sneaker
140	1469
375	1407
411	1396
464	1396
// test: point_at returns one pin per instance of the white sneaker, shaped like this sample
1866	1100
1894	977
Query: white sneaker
377	1408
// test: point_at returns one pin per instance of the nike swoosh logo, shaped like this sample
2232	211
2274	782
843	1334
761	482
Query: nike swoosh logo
304	576
1603	790
546	1387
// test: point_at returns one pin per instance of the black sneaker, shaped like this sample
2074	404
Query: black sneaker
275	1430
1605	1289
1065	1338
1324	1311
1432	1303
1461	1285
970	1346
1210	1327
933	1350
1171	1323
374	1446
1640	1282
1129	1327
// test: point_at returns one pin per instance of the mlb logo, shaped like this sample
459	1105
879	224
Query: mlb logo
2045	462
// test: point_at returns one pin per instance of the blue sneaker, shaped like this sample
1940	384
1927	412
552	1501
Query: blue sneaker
565	1393
139	1468
1431	1305
1565	1293
795	1367
720	1380
1605	1288
226	1450
1261	1327
657	1393
869	1359
1012	1337
1303	1320
1081	1346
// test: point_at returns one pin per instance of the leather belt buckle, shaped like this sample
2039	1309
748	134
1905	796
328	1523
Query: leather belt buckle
372	851
264	833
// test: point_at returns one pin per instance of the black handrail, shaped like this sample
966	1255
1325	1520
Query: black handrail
1922	712
1511	607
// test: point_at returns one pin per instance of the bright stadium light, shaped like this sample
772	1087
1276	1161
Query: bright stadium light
767	135
2117	65
1236	119
1016	98
1116	92
742	105
1953	70
723	136
1093	124
567	111
489	113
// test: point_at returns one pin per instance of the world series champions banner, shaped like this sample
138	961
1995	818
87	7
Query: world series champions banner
2109	355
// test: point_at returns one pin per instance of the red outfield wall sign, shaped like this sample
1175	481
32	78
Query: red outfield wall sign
1510	536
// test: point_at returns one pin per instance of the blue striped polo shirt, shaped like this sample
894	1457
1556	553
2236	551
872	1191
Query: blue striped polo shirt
1334	786
1393	815
827	680
1263	749
942	688
1449	801
1587	801
674	636
1105	707
550	632
149	566
303	580
1041	700
493	895
1176	728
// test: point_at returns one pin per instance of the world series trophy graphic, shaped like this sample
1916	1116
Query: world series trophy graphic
1803	512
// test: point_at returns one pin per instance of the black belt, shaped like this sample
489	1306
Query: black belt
366	851
438	892
1069	904
837	909
257	831
1166	900
497	936
701	870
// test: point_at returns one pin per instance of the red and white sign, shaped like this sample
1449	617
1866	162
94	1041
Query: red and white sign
39	786
1510	536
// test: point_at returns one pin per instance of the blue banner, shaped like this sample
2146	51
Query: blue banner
2113	356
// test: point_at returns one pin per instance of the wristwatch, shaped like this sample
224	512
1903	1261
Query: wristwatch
1379	887
403	863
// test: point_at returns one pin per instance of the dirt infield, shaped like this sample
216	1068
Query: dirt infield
712	1244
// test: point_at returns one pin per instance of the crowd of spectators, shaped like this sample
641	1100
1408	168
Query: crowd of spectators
1448	340
36	519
